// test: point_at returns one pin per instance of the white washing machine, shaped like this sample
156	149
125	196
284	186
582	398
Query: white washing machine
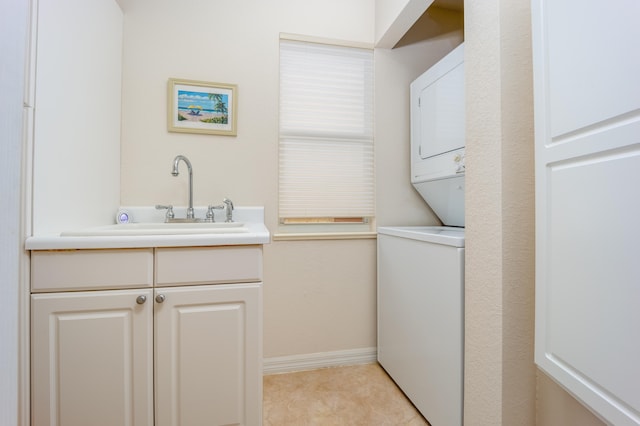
421	317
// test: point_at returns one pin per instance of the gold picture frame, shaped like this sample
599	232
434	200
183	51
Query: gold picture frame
202	107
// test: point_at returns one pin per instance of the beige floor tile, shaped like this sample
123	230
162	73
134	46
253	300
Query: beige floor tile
360	395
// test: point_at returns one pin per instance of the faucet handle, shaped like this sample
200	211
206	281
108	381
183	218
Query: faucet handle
169	214
210	214
210	217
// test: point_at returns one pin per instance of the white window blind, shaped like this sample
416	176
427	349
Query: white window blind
326	131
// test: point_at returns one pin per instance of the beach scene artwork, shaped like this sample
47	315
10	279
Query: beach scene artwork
201	107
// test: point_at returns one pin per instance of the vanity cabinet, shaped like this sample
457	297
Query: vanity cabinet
184	348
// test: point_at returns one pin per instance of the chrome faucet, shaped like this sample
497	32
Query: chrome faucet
174	172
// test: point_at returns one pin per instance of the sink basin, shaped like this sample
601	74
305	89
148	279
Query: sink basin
176	228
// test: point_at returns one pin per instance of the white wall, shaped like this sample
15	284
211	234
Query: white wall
76	159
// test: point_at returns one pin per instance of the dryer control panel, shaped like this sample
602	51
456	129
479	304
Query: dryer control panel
459	160
450	164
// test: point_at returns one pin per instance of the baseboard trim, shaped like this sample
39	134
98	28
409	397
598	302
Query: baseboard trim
286	364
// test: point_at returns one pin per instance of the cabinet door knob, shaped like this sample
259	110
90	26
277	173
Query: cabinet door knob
160	298
141	299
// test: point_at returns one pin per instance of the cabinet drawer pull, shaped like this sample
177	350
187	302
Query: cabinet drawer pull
141	299
160	298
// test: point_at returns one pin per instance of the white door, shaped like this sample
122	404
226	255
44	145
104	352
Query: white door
587	111
208	355
91	358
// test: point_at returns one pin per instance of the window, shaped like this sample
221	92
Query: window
326	135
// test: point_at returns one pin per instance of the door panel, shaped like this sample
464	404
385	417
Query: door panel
592	313
442	114
206	372
592	61
92	359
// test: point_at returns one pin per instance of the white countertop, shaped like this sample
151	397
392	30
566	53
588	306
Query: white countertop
251	217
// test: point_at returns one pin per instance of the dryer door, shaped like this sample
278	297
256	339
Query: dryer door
441	117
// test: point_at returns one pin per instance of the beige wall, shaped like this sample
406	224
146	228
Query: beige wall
319	295
484	395
555	407
500	376
76	128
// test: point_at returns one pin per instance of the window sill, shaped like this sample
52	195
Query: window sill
324	236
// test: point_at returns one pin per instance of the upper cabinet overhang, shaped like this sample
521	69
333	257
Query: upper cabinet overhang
397	21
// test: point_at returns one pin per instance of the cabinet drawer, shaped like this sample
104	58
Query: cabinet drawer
176	266
91	269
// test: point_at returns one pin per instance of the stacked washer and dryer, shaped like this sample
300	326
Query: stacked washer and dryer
421	268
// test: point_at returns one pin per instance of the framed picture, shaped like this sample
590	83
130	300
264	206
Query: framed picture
202	107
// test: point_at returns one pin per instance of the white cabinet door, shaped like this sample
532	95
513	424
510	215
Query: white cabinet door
91	355
587	111
208	367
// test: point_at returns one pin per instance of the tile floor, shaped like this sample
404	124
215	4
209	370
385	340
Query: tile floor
360	395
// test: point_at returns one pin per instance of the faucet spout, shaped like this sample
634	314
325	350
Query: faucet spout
175	172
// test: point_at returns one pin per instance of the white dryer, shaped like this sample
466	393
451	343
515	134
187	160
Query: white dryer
438	137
